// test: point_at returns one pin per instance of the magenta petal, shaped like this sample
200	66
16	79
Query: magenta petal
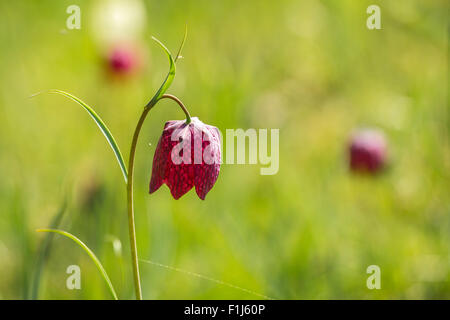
207	172
162	154
159	165
205	178
180	179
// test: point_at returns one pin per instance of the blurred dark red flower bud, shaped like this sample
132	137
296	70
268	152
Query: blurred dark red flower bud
368	151
122	59
187	155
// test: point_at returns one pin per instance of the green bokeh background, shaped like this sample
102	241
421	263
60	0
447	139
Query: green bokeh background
311	69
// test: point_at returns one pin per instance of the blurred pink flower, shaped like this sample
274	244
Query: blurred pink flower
122	59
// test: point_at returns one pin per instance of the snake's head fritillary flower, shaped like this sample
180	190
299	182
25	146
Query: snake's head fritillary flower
368	151
187	155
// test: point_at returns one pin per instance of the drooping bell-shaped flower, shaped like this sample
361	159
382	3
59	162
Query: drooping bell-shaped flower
187	155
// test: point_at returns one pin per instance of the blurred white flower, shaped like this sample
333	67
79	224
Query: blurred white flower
118	21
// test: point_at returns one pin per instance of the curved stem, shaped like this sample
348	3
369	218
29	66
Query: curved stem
174	98
131	224
160	94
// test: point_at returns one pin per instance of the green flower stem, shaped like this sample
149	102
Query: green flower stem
186	112
131	223
160	94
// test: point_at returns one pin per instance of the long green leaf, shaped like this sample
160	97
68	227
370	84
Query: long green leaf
103	128
89	252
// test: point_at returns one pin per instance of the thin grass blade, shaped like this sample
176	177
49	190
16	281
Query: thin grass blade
44	251
89	252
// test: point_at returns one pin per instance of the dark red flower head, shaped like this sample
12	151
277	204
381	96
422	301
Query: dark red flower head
368	151
187	155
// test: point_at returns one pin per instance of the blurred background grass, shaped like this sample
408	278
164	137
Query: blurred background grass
310	68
